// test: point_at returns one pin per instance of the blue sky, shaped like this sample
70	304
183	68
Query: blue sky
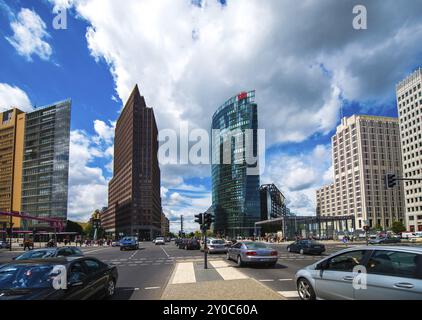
188	59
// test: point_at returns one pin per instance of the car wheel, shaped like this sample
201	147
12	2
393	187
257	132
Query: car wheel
111	288
302	251
227	256
239	261
305	290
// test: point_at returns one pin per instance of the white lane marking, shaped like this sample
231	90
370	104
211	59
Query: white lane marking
266	280
227	272
95	250
285	279
133	254
289	294
152	288
168	256
184	273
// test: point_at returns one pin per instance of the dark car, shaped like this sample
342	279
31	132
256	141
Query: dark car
190	244
306	247
50	253
86	278
384	240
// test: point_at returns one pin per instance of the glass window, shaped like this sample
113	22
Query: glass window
395	263
65	252
346	261
92	266
76	272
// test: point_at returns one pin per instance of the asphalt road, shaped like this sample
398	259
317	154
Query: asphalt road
144	273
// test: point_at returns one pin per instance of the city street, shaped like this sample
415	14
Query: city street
145	273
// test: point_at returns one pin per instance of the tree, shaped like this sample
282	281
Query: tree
74	227
398	227
378	228
198	234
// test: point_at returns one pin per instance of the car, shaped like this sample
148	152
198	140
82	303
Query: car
130	243
384	240
160	241
215	246
50	253
306	247
4	245
389	273
177	241
115	243
86	278
190	244
249	252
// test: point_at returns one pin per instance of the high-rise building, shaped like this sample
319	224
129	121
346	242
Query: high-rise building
409	102
365	149
235	193
273	202
134	200
165	225
12	128
46	162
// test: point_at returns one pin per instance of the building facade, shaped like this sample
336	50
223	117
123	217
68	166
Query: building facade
165	225
273	202
365	149
409	102
46	163
134	191
235	193
12	130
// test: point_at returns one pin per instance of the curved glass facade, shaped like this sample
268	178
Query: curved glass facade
235	194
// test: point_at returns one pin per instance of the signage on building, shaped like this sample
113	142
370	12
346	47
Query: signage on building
242	96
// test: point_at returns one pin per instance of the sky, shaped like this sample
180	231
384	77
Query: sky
307	63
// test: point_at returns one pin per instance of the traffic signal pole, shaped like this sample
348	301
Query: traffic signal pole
205	250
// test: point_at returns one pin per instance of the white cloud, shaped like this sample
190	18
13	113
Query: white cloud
11	96
29	35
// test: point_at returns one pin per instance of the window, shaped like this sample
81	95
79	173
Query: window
76	272
65	252
92	266
397	264
346	261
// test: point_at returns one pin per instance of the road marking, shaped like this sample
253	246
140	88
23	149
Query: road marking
152	288
289	294
133	254
168	256
95	250
227	272
184	273
266	280
285	279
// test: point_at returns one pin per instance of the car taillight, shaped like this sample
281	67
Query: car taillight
251	253
274	253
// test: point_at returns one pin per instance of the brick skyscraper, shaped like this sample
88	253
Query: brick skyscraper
134	201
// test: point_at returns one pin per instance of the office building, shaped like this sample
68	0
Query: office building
273	202
235	193
134	201
46	163
409	102
165	225
12	130
365	149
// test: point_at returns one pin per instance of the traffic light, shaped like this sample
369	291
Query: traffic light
208	221
390	181
199	218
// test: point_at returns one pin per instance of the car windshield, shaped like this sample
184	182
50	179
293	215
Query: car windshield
38	254
311	242
129	239
217	242
160	239
26	276
256	245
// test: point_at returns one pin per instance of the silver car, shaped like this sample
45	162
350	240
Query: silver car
364	273
248	252
215	246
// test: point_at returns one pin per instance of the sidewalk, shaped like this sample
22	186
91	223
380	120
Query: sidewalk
190	281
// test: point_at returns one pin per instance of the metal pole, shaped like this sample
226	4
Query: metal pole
205	250
11	232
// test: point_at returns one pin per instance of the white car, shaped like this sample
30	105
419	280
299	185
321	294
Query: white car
160	241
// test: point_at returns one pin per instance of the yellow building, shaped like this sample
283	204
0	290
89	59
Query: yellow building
12	129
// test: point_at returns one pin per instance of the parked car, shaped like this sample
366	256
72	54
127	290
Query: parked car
392	273
87	278
306	247
50	253
160	241
248	252
130	243
384	240
115	243
4	245
215	246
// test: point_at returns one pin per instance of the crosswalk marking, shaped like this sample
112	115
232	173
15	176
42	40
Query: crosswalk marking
289	294
227	272
184	273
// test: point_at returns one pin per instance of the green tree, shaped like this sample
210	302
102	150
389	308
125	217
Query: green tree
89	231
378	228
398	227
198	234
74	227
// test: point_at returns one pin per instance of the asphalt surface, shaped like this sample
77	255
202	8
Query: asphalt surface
144	273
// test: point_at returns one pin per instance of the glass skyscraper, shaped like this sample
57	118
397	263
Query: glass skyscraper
46	162
235	192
